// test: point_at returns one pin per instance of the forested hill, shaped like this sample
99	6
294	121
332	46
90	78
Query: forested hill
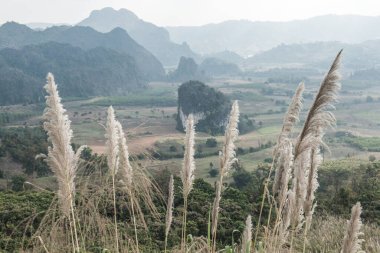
78	72
14	35
154	38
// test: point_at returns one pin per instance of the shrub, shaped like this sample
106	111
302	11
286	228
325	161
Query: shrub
17	183
211	142
213	172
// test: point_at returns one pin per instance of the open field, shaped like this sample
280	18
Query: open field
148	119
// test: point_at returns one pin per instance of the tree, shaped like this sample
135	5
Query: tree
213	172
17	183
211	107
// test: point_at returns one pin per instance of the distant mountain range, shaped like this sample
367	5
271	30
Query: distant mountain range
114	52
13	35
365	55
154	38
78	72
42	26
247	38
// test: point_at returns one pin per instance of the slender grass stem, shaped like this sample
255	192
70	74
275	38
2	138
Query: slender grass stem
115	213
134	222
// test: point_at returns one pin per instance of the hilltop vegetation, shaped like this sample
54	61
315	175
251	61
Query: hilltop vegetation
14	35
209	106
187	70
80	73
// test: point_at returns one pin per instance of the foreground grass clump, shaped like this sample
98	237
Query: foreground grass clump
113	205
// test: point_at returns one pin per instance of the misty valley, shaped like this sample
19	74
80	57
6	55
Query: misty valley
119	135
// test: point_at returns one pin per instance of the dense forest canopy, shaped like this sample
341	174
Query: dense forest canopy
199	99
80	73
14	35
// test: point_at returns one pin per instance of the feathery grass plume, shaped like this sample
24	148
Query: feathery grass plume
61	157
311	186
247	236
112	135
301	166
112	142
124	165
188	168
126	172
351	241
319	116
187	173
286	216
282	157
318	119
231	134
283	164
169	210
227	158
292	115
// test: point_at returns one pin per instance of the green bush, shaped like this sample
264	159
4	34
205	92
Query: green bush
211	142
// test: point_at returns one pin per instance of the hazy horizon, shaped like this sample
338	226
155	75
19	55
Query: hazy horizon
180	12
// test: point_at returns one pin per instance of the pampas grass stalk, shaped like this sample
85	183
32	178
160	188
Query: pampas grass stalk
283	146
169	210
61	157
318	119
312	186
283	158
247	236
187	173
126	172
351	241
227	158
112	144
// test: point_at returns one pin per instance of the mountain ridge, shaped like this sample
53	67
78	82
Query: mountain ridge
250	37
154	38
14	35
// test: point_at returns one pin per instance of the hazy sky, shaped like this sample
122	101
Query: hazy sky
183	12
